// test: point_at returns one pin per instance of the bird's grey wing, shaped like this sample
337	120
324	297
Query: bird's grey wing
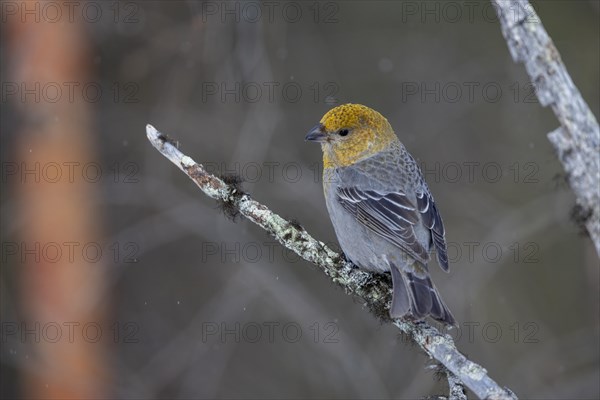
433	221
391	215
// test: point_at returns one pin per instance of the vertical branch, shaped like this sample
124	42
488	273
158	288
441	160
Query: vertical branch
577	140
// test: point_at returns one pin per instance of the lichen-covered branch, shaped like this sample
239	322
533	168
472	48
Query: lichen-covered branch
374	289
577	140
456	389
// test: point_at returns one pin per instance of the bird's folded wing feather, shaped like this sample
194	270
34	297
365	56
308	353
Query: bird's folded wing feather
392	215
433	221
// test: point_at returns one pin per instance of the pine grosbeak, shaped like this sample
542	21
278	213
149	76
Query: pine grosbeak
382	211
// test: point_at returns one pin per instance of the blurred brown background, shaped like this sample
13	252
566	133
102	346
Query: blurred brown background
119	279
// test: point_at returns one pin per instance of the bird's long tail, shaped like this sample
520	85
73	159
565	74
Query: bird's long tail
418	297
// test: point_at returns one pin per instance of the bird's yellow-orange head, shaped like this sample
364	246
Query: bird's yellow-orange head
350	133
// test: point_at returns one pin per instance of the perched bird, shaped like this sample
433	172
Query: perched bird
382	211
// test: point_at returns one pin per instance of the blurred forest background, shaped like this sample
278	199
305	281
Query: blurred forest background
119	279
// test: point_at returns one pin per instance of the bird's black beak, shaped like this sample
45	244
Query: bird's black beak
316	134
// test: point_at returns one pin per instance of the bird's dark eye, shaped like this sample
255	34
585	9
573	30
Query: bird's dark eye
343	132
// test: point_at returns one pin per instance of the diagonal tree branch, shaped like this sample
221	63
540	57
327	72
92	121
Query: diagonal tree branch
577	140
374	289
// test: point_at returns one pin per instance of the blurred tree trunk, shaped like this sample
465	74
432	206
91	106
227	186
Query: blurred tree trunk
61	288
